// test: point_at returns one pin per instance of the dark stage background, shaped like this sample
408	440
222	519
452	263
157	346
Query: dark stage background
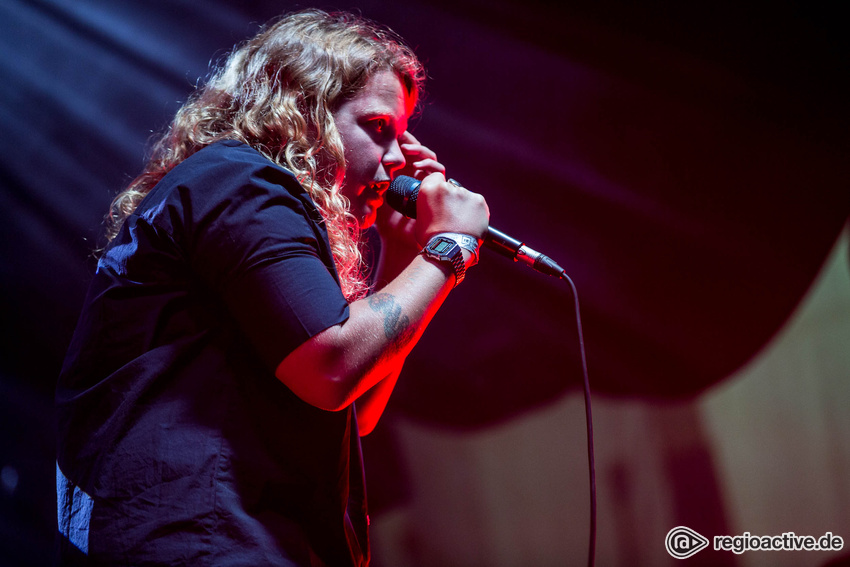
688	166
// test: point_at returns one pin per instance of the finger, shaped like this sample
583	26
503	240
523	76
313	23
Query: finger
418	150
426	167
434	179
413	148
408	138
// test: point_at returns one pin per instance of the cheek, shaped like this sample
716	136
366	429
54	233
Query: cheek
350	189
360	164
353	158
361	149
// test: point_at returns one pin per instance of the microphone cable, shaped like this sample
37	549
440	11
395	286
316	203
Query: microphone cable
402	196
519	252
591	461
512	248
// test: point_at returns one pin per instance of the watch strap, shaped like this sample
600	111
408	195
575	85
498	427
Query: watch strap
465	241
436	250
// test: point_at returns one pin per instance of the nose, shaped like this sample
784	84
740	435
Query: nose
393	159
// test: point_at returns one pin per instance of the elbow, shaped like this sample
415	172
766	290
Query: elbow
321	372
336	395
365	426
334	384
321	385
325	391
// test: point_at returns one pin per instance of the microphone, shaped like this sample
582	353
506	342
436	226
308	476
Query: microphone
402	196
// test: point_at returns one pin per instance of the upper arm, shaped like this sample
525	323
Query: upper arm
256	243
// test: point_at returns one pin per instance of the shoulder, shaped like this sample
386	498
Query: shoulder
230	165
228	178
229	155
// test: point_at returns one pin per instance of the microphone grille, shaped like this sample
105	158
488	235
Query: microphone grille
402	195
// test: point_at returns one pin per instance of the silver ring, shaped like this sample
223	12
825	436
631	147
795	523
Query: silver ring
453	182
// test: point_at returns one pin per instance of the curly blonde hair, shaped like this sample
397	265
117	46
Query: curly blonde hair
277	93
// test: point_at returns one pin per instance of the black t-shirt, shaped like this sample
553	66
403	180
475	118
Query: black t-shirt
177	444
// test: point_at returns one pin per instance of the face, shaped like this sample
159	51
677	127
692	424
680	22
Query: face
371	124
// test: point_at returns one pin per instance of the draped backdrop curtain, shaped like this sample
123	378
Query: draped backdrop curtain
687	166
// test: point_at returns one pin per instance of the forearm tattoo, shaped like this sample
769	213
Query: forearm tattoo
395	322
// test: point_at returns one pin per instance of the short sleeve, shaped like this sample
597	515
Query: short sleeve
255	238
283	302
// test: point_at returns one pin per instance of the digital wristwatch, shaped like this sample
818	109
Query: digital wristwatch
447	251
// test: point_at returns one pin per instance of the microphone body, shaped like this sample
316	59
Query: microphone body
402	196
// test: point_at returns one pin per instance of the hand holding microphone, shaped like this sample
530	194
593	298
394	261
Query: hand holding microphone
444	207
403	196
445	210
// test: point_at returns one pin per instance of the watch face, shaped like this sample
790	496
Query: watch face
442	246
445	249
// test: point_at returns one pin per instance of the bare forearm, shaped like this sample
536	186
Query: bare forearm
335	367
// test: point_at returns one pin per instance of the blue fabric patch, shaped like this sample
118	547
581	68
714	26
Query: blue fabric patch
73	510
